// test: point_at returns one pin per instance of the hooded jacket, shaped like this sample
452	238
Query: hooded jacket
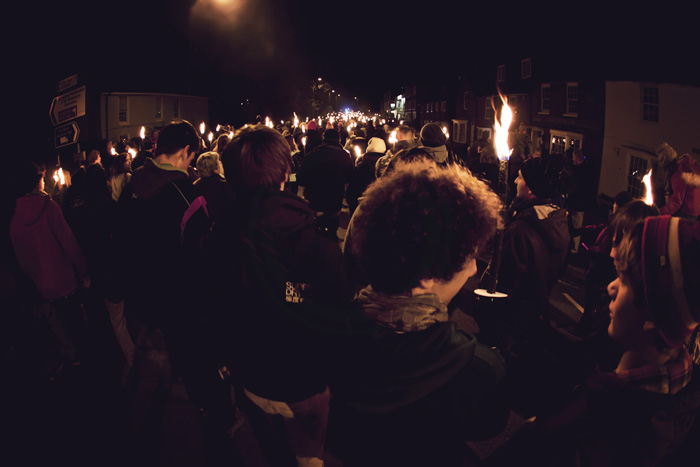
535	245
685	185
439	153
282	285
45	247
324	172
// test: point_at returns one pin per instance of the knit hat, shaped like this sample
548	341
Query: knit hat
431	135
671	268
312	125
376	145
541	175
331	136
666	153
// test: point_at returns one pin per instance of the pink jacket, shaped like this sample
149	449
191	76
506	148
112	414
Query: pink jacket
45	247
685	183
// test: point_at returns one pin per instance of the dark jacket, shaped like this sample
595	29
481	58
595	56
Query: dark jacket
282	285
416	392
324	173
581	196
362	176
151	207
535	245
216	191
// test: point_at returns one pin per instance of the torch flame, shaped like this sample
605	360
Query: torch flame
113	151
501	127
132	151
218	128
143	132
296	120
392	138
210	137
358	152
58	177
303	140
201	128
649	198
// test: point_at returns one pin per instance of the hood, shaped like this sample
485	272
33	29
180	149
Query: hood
438	153
150	179
690	170
549	220
29	209
281	213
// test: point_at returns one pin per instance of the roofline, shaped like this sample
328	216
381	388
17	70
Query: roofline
151	94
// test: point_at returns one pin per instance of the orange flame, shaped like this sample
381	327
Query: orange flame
201	128
59	177
358	152
501	127
143	132
649	198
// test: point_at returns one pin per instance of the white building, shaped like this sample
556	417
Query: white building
638	117
124	113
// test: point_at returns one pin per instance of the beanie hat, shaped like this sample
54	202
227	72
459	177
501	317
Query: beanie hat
376	145
666	153
331	135
541	175
312	125
671	268
431	135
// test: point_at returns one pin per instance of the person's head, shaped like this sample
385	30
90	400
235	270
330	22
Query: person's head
421	228
621	199
538	178
208	164
578	157
94	157
257	159
432	136
221	143
666	154
376	145
535	151
121	164
289	138
407	157
488	155
177	144
331	136
95	183
28	178
405	133
626	219
656	291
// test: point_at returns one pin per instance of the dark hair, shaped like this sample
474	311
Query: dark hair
27	178
256	158
176	136
622	198
422	222
221	143
117	166
628	216
407	156
405	129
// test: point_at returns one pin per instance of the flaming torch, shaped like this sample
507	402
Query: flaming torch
358	152
59	177
210	137
500	127
649	197
142	134
201	128
296	120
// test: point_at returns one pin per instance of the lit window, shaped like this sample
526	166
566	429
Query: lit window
459	131
650	104
638	168
123	109
488	109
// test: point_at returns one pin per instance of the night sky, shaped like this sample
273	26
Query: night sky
269	50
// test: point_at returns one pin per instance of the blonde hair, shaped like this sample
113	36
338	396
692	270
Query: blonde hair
207	164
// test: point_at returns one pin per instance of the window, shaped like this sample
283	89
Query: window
459	131
159	108
513	103
466	101
483	134
638	168
443	106
176	107
429	107
650	104
501	73
488	109
562	140
572	99
544	99
526	68
123	109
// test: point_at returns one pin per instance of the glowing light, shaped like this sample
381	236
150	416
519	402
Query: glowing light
501	127
358	152
201	128
59	177
392	138
218	128
210	137
230	135
296	120
143	132
649	198
132	151
303	140
113	151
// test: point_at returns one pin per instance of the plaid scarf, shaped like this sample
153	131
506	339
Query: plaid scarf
665	379
402	313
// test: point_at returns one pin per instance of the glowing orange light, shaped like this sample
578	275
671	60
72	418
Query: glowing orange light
501	127
201	128
649	198
358	152
143	132
59	177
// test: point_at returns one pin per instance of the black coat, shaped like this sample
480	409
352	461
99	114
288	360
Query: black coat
324	172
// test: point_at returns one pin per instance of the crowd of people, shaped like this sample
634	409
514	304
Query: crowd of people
224	266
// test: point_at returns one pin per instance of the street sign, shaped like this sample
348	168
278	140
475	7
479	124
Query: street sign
67	83
66	134
68	106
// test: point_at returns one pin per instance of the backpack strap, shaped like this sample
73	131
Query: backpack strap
199	202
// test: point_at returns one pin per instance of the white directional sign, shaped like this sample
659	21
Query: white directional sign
66	134
68	106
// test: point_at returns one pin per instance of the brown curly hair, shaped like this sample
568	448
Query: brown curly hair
422	223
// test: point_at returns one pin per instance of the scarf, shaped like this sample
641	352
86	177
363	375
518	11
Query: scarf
401	313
